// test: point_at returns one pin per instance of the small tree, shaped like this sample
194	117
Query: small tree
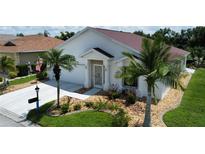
65	35
6	65
20	34
46	33
56	60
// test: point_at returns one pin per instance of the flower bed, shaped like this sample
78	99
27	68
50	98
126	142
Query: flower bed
98	114
70	105
136	111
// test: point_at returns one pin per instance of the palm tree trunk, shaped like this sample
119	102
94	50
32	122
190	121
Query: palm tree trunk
58	93
147	119
4	80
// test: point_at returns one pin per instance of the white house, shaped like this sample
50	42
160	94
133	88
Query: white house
99	54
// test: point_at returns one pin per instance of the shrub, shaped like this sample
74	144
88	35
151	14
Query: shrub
64	108
42	75
113	107
89	104
120	119
12	75
100	105
68	99
113	92
22	70
115	95
131	98
1	79
77	107
2	87
155	101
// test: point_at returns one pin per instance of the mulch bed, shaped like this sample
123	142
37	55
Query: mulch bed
136	111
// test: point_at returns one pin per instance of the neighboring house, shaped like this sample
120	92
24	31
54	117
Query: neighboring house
27	48
99	53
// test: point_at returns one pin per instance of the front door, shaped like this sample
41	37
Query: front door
98	75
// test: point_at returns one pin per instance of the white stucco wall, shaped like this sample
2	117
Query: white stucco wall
83	43
114	68
160	90
89	40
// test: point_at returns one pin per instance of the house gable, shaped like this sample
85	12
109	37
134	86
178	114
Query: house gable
89	39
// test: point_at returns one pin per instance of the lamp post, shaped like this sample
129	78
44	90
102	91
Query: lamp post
37	102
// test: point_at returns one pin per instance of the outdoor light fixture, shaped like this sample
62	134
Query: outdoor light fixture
37	89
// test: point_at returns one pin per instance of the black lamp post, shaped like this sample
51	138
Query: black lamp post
37	102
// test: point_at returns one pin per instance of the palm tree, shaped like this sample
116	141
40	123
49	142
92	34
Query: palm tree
6	65
55	59
154	65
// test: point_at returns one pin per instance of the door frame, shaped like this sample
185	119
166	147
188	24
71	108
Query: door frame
97	86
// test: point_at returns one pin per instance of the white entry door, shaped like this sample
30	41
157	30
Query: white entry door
98	75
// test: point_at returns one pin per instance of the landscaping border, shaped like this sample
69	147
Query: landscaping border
68	113
177	104
171	108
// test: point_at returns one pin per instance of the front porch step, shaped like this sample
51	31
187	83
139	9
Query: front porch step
92	91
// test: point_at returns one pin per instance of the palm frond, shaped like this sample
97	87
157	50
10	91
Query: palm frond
56	57
7	64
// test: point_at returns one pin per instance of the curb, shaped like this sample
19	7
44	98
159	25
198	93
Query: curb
18	119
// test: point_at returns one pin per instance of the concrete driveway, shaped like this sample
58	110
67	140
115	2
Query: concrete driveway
7	122
17	101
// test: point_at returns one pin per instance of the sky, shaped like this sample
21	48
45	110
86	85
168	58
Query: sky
55	30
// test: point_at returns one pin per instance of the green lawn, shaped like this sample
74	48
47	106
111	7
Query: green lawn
82	119
22	80
191	112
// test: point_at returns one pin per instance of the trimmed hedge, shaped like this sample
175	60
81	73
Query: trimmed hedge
12	75
22	70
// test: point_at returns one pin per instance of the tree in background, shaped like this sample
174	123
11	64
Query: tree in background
65	35
198	37
20	34
166	34
46	33
141	33
191	39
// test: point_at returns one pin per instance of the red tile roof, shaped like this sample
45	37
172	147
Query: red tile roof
30	43
134	41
